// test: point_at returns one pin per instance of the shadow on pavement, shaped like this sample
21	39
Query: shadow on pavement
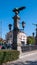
25	63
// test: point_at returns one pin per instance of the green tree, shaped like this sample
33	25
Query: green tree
30	40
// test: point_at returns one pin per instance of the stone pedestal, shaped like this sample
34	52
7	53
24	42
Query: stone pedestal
19	49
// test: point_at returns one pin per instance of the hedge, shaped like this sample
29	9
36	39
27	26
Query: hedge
8	55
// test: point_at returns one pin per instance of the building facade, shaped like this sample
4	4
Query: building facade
21	38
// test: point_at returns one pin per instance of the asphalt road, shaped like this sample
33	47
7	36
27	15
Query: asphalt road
28	59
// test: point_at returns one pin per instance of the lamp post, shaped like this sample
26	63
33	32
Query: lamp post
36	34
16	29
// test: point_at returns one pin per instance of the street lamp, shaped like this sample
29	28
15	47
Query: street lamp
36	34
23	24
33	34
10	26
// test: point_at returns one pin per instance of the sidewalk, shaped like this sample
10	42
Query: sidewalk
26	53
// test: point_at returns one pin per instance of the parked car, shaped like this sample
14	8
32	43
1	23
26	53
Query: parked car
2	46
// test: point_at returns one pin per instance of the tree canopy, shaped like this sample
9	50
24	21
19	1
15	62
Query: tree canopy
30	40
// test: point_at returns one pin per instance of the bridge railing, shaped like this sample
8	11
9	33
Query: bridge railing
28	48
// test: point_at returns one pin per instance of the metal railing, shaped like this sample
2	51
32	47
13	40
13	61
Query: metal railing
28	48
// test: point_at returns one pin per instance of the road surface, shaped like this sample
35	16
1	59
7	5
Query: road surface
27	59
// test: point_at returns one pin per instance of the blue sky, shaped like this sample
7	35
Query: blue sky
29	15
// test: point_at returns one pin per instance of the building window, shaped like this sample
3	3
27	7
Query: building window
10	36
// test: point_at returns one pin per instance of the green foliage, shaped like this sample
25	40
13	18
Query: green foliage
8	55
30	40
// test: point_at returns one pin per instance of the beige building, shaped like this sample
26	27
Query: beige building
21	38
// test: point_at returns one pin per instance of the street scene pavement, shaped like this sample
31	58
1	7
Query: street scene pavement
30	58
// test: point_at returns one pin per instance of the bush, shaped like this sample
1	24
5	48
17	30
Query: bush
8	55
